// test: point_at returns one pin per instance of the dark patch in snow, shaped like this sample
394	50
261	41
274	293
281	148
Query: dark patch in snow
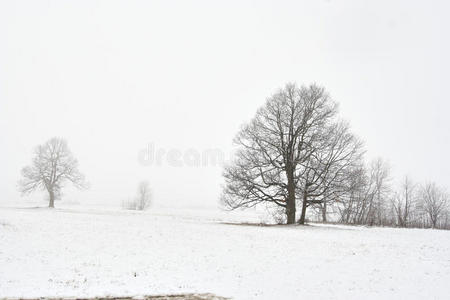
156	297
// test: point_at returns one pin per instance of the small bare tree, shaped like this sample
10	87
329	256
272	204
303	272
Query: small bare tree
365	195
351	202
435	202
325	173
378	190
144	196
142	199
53	165
403	202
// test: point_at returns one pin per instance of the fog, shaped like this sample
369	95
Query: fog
125	80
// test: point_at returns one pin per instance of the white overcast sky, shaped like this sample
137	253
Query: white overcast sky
115	76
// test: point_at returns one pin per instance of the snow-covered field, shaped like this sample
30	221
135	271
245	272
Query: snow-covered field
76	252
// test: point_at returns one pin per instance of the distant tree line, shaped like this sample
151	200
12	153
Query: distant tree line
371	199
298	155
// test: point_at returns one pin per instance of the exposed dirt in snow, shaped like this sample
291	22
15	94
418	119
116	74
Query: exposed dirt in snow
160	297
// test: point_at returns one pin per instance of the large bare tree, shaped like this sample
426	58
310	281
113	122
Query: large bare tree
274	145
53	165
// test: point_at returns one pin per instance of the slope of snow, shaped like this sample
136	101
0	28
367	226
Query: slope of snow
75	252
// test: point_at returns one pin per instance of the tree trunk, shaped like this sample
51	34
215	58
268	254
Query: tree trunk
51	202
290	205
324	212
290	211
303	216
433	223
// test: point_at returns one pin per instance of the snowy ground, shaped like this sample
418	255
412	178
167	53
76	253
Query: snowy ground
76	252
